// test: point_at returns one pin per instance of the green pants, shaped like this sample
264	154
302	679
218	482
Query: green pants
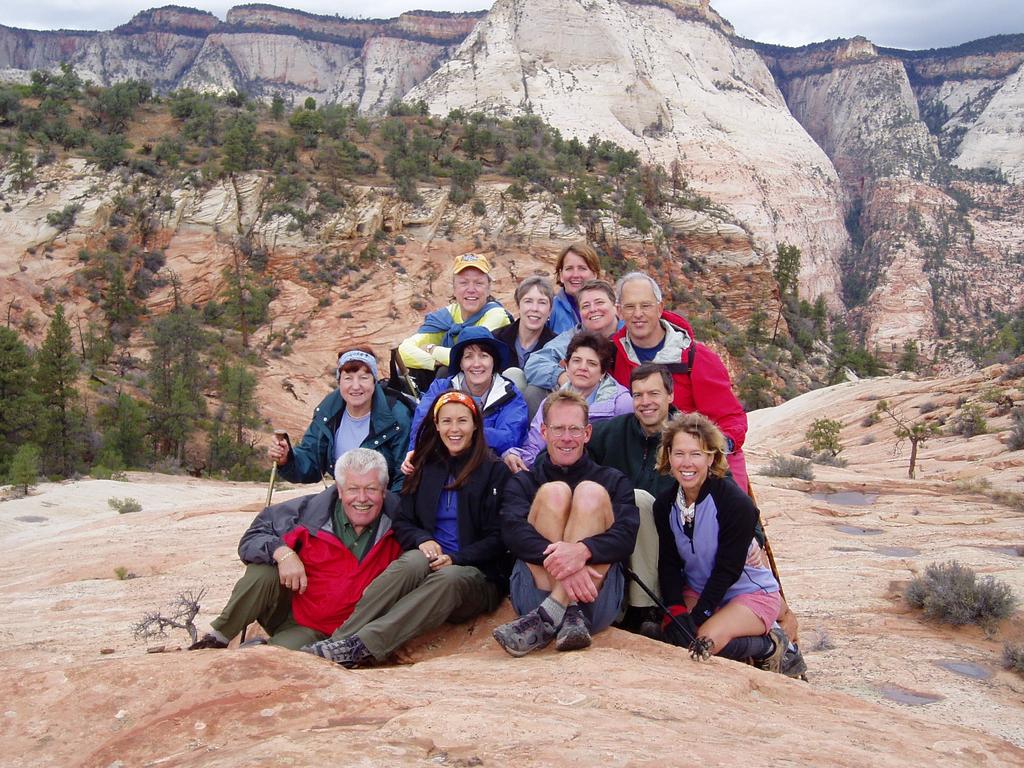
259	596
408	599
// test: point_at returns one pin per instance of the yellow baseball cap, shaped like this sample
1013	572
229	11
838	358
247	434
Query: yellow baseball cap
471	260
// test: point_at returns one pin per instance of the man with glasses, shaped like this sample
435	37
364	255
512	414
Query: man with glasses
570	523
308	560
700	380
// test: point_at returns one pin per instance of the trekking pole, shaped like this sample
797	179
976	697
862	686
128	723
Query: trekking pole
664	608
279	434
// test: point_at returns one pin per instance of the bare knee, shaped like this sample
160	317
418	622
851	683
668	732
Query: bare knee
550	508
591	501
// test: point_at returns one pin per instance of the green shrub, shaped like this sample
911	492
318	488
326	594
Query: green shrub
953	594
789	466
823	435
1013	657
124	506
123	574
1016	439
969	421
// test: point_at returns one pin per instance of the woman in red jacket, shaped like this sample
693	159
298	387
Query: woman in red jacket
455	564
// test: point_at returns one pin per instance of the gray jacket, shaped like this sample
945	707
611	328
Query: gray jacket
265	533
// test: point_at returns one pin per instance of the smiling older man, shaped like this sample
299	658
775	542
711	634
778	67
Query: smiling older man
701	382
570	523
308	560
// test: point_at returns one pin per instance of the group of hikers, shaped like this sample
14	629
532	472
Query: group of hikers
585	460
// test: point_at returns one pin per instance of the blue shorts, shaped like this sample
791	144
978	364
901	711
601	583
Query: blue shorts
525	595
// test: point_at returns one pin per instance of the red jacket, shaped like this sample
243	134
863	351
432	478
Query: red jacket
336	580
700	383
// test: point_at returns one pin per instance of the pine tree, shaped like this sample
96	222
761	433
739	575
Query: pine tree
124	433
18	400
25	467
61	421
176	375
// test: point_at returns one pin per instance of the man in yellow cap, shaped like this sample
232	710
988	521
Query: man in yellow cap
430	347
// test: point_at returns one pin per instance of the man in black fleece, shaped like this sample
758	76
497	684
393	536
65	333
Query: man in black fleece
570	523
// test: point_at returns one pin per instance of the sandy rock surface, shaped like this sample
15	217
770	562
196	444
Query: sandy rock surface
79	689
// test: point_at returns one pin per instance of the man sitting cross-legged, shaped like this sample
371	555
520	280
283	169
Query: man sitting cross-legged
309	559
569	522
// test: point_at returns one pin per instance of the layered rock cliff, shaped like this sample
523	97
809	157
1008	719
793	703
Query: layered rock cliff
925	143
664	79
260	50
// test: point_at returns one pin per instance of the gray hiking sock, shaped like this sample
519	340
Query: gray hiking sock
554	610
754	647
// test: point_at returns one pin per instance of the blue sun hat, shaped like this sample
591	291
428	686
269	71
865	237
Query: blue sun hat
482	337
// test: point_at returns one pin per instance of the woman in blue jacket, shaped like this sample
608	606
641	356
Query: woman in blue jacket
358	414
478	356
705	528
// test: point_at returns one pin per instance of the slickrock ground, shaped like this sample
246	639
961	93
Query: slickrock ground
456	699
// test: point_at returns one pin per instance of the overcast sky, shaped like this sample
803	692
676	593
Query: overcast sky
912	24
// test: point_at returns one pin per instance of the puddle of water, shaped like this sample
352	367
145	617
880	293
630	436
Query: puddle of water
847	498
848	549
1013	550
856	530
967	669
902	695
31	519
897	551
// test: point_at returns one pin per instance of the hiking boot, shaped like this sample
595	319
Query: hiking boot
207	641
653	630
349	652
793	664
773	661
574	634
529	632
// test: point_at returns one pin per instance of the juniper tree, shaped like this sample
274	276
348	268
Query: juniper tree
18	399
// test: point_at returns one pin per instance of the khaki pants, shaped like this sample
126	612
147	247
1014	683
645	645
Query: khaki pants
408	599
644	560
259	596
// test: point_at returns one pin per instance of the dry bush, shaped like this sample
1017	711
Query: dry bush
953	594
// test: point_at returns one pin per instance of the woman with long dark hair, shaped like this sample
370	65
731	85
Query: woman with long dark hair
705	528
454	566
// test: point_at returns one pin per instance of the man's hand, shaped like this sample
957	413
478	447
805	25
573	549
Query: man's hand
581	586
565	558
279	450
290	570
514	463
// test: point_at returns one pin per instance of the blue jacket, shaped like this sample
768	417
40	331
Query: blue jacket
505	413
313	457
564	313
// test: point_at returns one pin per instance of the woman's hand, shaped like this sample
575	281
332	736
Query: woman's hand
407	464
279	450
432	551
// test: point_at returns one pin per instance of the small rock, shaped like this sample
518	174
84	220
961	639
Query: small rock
156	649
121	714
106	651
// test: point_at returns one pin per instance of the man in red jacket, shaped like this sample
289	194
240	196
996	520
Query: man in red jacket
308	560
700	381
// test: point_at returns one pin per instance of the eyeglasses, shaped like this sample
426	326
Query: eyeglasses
573	430
645	307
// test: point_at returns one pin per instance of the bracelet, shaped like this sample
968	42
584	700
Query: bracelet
290	553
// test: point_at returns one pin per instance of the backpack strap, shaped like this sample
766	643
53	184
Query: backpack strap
683	368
